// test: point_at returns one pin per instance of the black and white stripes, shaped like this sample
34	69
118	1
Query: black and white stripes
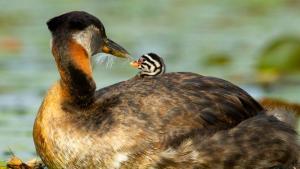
151	65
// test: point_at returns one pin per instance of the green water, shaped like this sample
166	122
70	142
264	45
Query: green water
223	39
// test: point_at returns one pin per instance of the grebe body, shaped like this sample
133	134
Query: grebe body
158	122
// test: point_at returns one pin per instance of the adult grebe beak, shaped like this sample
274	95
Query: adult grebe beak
135	64
115	49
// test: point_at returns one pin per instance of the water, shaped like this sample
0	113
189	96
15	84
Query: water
222	39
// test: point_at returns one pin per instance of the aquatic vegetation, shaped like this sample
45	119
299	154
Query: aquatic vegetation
281	55
218	59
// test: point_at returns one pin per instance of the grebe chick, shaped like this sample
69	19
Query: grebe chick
150	65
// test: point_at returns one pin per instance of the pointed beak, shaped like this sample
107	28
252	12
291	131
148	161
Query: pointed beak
115	49
135	64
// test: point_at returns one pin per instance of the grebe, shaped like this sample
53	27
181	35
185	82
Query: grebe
150	65
169	121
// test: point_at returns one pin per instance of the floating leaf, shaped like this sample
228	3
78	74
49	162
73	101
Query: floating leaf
281	56
217	59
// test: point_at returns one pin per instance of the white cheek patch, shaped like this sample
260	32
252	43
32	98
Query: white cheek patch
84	38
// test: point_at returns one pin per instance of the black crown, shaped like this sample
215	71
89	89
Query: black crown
75	20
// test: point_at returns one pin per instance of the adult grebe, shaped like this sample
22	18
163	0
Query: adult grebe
135	123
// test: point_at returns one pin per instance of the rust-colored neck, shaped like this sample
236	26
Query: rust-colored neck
76	73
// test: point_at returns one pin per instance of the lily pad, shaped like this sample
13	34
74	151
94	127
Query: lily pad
217	59
281	56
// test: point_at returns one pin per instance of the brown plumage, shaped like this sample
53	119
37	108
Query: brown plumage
260	142
271	103
133	124
285	111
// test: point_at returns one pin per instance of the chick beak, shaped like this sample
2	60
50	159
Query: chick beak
115	49
135	64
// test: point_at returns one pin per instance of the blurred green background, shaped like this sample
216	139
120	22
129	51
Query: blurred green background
255	44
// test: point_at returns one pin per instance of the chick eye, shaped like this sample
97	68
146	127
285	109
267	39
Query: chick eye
141	60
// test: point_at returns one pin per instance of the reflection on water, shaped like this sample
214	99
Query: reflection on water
212	38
